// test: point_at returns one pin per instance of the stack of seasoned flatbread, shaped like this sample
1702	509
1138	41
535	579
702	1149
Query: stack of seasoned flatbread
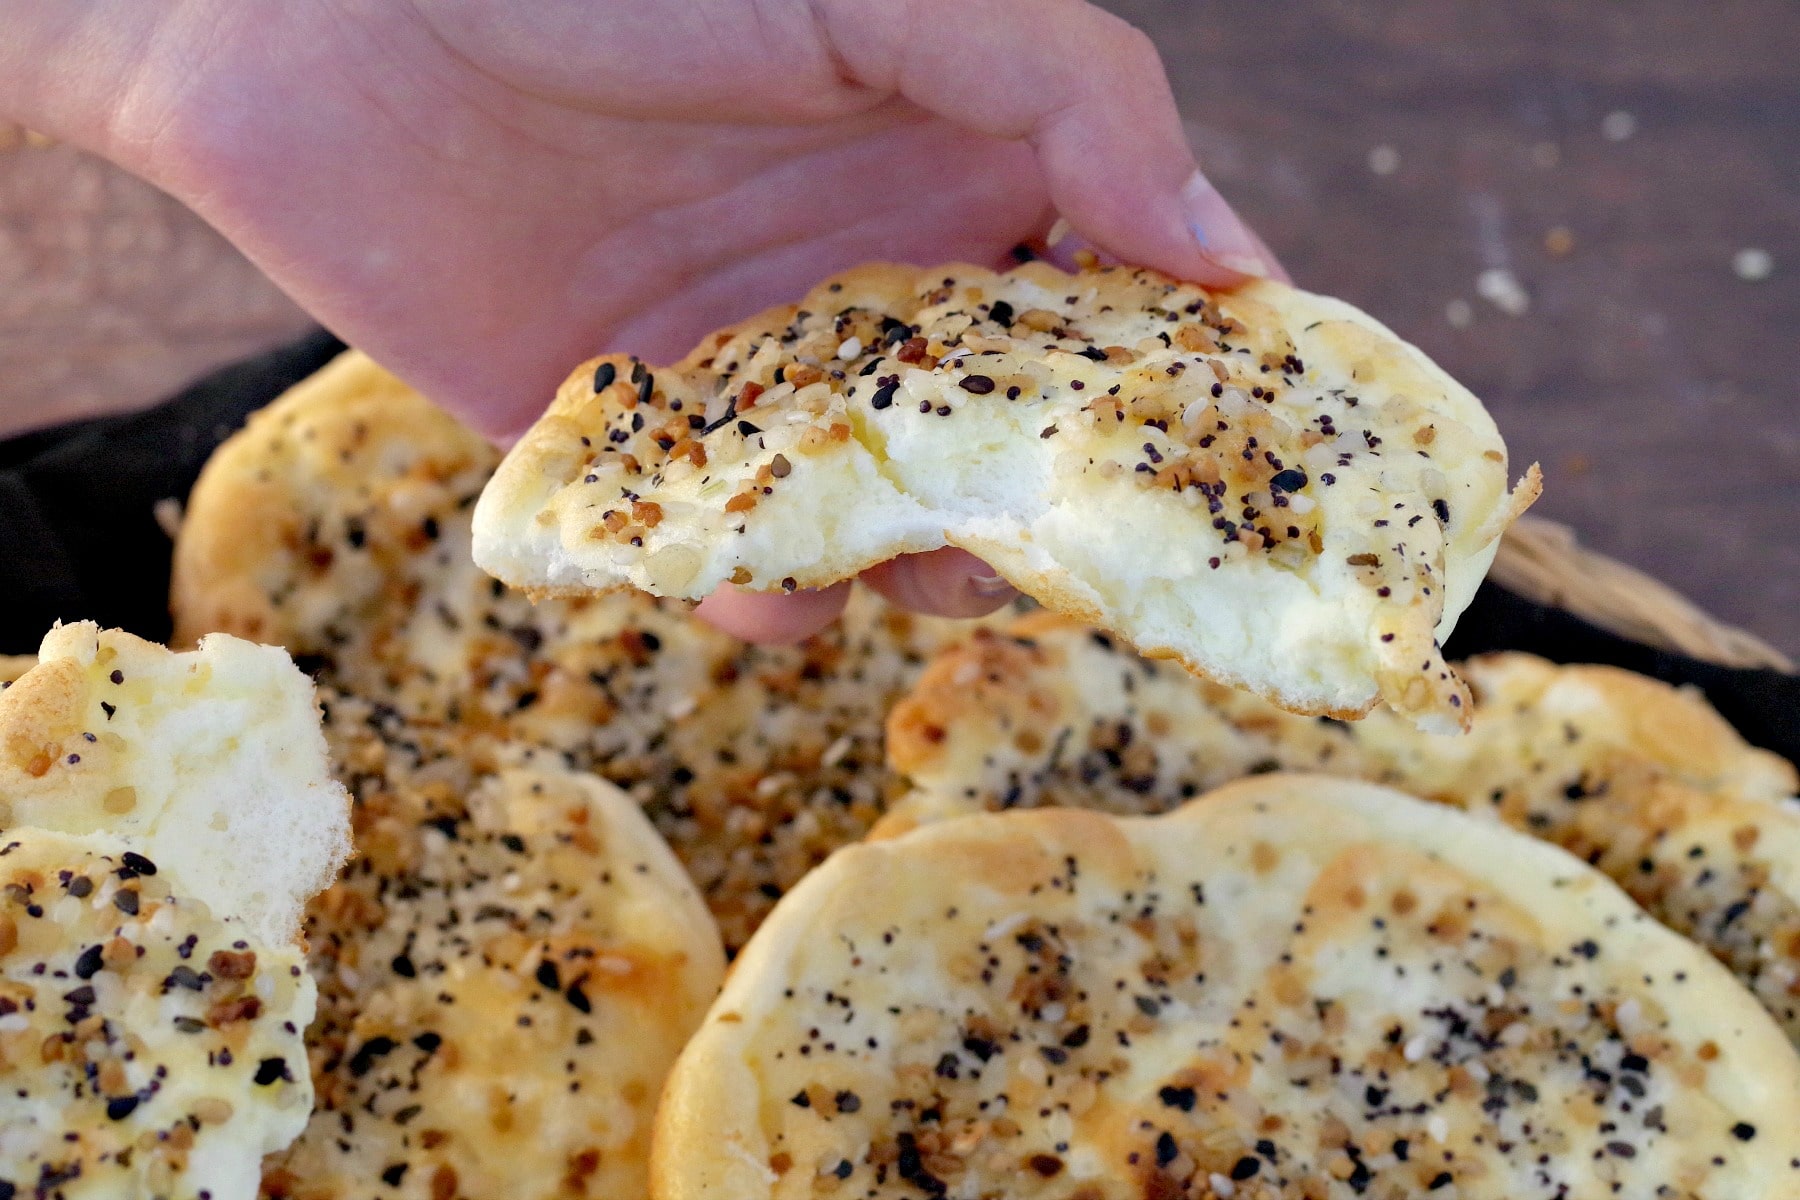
1209	878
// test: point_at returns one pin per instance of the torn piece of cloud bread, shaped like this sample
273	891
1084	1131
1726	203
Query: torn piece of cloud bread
163	819
1264	484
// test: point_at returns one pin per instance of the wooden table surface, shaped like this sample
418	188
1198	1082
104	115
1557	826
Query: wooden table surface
1589	213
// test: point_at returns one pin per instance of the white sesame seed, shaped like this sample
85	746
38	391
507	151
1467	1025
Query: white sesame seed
849	348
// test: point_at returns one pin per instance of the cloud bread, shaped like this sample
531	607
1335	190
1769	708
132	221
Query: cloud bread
163	818
506	973
1320	498
149	1047
337	523
1643	780
210	762
1296	987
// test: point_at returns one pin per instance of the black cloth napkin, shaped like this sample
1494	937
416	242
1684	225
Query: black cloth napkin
80	541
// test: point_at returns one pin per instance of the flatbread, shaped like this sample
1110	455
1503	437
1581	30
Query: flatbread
1264	484
506	973
337	524
163	819
1638	778
1298	987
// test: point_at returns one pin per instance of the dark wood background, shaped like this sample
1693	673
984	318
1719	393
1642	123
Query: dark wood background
1392	153
1660	390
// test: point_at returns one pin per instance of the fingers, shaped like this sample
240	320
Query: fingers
944	583
1087	91
773	618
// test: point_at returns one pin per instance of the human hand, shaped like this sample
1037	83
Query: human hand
480	194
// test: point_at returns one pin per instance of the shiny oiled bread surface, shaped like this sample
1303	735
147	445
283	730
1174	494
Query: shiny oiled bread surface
1265	484
1293	987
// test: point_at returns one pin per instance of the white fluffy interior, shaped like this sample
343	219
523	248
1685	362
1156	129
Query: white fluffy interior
222	747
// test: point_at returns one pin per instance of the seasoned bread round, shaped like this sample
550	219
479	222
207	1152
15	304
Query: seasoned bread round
1296	987
506	973
150	1047
755	762
1642	780
163	819
1264	484
210	762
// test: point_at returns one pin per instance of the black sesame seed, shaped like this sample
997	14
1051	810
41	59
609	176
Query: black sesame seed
137	864
1178	1097
578	999
120	1107
1290	480
1001	313
1166	1150
604	374
88	964
884	395
548	976
645	388
366	1054
1743	1131
271	1070
1245	1168
976	385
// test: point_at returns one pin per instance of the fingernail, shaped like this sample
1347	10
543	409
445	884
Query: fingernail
1222	234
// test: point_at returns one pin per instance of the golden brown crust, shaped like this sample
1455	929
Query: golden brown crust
1323	498
269	547
1294	987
